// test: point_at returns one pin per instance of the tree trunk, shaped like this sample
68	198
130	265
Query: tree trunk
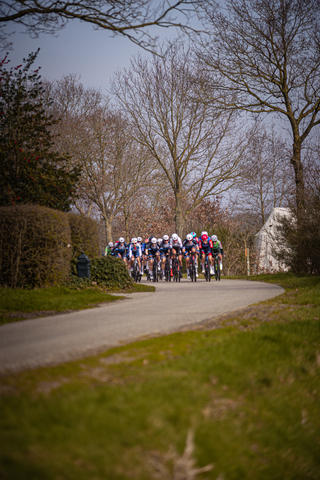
126	223
298	175
108	226
179	220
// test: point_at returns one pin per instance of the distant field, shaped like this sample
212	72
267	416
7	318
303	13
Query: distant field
239	399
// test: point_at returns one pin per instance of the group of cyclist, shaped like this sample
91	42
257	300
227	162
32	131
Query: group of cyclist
158	249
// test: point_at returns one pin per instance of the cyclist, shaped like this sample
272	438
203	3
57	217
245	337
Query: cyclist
153	255
196	241
135	252
120	249
108	249
217	249
165	249
205	246
176	248
188	247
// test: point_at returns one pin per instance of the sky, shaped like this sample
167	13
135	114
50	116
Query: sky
93	54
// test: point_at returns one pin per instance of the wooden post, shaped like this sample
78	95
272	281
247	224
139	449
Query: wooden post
248	261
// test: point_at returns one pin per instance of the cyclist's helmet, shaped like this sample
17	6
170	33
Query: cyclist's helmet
153	240
165	238
110	244
193	234
159	240
175	237
204	233
134	240
214	238
139	239
146	240
204	237
189	237
121	240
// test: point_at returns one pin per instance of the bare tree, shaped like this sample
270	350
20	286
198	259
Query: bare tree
196	145
266	180
114	166
265	57
129	18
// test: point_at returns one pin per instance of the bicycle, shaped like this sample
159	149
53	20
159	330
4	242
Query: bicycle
175	269
192	267
156	272
167	269
136	275
207	274
216	265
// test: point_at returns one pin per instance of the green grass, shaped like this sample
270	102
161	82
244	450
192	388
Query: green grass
251	398
16	304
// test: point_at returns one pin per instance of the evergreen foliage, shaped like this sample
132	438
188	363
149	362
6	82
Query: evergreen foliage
35	246
297	242
110	272
31	170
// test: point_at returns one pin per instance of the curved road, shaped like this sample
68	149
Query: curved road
59	338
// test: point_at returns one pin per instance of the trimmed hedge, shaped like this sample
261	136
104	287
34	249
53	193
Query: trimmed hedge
84	238
35	246
110	272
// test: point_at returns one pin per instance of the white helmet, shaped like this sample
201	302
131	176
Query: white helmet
189	237
204	233
153	240
214	238
175	237
139	239
159	240
134	240
165	238
110	244
121	240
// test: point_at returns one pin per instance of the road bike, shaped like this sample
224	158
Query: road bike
156	270
216	265
175	269
207	273
192	267
167	269
136	275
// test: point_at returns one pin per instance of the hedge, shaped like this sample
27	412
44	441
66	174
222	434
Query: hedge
35	246
84	238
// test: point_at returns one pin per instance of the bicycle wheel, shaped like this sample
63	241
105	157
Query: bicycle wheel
154	271
192	270
167	271
207	272
175	270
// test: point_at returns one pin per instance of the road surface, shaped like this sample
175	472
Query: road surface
60	338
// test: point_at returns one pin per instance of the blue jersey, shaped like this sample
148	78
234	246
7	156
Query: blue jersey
153	249
135	250
165	248
120	249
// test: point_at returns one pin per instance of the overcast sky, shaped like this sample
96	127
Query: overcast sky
95	55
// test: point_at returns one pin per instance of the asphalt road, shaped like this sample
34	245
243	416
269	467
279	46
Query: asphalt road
60	338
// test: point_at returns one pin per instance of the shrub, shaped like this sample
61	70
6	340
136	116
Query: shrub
298	240
35	246
110	272
84	238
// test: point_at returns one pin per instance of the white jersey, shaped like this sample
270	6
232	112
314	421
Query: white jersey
177	243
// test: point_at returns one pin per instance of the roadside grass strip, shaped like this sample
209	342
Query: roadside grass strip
21	304
235	398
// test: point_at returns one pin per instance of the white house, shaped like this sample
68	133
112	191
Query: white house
265	241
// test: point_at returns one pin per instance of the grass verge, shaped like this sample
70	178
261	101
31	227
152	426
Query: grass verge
21	304
237	398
